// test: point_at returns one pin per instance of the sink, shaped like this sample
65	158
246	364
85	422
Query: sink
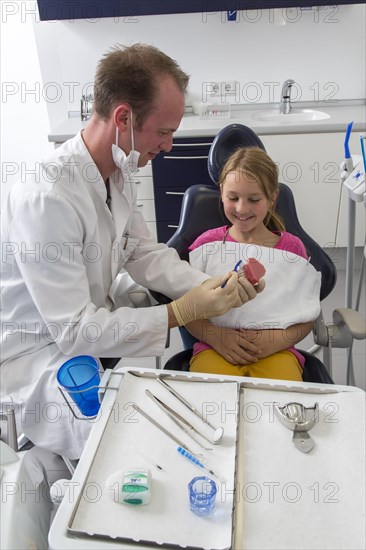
296	115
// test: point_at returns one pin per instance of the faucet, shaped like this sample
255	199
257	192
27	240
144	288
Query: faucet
285	104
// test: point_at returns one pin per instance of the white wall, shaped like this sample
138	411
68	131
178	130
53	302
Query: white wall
24	119
46	66
323	52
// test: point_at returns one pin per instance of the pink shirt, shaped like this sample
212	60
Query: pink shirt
287	241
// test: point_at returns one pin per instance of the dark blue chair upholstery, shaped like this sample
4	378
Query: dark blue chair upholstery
229	139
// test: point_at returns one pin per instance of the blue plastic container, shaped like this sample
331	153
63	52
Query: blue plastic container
202	495
78	376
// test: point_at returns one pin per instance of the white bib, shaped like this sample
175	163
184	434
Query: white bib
292	289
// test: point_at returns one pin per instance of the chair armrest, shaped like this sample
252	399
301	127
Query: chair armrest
347	325
351	319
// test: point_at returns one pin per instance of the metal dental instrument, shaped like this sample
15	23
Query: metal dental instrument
162	429
300	420
218	432
178	420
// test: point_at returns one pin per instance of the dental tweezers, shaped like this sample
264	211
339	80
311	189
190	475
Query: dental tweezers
179	420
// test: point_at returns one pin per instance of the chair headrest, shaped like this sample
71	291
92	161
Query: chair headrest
226	142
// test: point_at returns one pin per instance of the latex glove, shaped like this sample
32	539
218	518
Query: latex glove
209	299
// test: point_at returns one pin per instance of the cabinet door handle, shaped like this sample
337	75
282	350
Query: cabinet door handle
173	226
174	192
185	158
190	144
140	206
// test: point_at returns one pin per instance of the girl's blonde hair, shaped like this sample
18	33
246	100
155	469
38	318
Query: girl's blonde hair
255	164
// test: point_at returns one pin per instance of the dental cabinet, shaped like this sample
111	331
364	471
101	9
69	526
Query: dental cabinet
173	173
308	155
145	195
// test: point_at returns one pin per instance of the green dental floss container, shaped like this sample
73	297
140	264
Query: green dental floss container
136	487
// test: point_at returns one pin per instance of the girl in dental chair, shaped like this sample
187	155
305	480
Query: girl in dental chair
266	329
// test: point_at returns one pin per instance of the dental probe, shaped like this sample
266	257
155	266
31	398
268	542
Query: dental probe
160	427
219	432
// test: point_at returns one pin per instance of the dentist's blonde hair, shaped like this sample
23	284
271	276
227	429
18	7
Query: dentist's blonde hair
255	164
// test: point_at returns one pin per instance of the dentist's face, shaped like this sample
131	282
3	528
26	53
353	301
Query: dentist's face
156	133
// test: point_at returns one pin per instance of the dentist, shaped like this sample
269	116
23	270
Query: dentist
69	230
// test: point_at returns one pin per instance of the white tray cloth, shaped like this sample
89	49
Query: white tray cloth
288	499
167	519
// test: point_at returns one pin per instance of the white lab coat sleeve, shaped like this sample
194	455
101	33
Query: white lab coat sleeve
157	266
51	262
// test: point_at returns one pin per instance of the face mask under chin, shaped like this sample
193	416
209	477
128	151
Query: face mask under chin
128	164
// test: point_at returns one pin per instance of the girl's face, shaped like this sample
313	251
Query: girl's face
244	202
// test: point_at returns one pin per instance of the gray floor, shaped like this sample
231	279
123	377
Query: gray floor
339	359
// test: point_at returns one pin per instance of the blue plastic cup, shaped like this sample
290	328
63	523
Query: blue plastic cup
202	495
78	376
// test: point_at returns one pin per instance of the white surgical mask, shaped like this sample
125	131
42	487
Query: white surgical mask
128	164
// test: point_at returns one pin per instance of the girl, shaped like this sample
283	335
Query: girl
281	315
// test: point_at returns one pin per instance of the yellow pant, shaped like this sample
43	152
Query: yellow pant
280	366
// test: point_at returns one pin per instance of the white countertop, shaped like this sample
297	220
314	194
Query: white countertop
340	114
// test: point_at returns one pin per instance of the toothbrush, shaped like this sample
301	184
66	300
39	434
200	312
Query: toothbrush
235	269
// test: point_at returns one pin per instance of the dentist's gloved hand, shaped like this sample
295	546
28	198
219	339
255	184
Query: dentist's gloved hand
209	299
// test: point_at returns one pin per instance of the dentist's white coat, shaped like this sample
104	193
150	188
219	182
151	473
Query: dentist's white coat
62	249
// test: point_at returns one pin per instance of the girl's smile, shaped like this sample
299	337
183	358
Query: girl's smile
245	205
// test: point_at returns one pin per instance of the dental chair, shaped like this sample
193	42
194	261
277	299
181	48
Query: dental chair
202	210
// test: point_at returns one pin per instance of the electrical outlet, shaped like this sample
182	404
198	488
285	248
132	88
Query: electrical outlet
213	88
219	91
221	88
230	87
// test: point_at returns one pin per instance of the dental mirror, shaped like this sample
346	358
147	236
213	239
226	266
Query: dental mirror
217	436
218	432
